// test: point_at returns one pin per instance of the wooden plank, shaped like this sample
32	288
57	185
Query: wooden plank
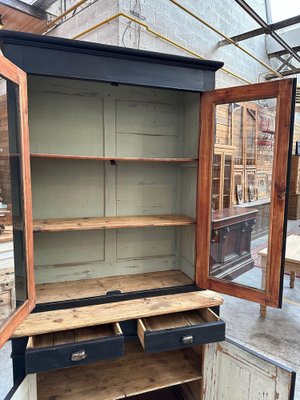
94	332
176	320
42	341
73	318
92	223
18	20
60	291
63	337
114	379
71	336
113	158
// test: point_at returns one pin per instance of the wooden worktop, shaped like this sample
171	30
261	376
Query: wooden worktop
65	319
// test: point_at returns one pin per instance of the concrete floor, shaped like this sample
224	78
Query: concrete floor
277	336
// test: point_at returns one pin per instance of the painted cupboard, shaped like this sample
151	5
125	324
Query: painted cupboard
112	156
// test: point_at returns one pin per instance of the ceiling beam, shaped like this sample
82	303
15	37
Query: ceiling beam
284	73
265	26
260	31
25	8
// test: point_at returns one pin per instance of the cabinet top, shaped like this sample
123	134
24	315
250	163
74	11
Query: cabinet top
47	55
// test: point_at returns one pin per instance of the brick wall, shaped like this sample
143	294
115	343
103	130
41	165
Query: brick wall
167	19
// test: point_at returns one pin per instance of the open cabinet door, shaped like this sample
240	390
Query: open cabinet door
17	291
231	372
244	156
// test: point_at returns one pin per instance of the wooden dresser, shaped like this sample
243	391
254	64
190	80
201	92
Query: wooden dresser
111	200
231	242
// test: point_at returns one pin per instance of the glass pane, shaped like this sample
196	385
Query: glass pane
13	284
241	189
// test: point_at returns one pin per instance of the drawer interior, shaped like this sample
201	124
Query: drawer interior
74	336
177	320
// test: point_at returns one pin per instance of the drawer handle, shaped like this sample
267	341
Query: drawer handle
78	355
187	339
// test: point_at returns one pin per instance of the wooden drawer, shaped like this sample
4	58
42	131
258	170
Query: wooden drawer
180	330
74	347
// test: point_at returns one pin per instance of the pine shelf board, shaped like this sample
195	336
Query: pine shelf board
98	314
113	158
85	288
135	373
93	223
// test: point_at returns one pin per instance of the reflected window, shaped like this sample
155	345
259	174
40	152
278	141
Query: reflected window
241	190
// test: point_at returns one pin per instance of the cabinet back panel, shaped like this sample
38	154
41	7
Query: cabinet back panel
92	118
65	123
145	189
67	188
64	256
191	124
189	188
143	243
68	247
147	129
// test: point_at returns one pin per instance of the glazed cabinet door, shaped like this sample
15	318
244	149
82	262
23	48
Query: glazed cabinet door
233	372
241	245
16	242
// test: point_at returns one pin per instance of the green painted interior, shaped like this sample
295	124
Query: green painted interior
87	118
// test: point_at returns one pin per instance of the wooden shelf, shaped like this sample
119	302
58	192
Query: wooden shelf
98	314
94	223
106	158
135	373
86	288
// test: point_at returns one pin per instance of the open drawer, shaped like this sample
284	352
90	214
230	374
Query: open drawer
74	347
180	330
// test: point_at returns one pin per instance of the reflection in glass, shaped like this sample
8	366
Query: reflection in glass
241	190
13	284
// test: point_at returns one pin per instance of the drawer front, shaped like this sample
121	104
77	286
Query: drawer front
179	338
73	354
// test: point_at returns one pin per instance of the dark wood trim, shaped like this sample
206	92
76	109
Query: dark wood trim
291	108
57	57
282	90
204	184
278	195
26	182
9	70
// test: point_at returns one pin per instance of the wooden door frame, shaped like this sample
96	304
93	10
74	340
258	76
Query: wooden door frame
11	72
283	91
